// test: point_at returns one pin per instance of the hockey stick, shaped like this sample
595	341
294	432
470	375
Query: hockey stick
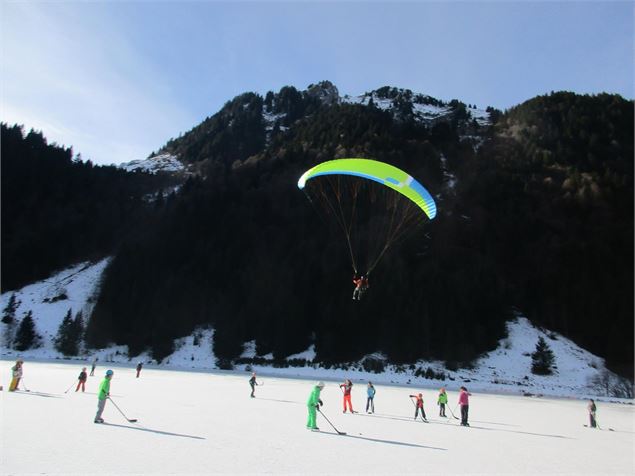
24	385
338	431
453	412
66	391
131	420
599	427
422	411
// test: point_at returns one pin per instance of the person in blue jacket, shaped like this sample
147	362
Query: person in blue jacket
370	401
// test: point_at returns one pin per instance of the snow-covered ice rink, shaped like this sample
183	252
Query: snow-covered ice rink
202	423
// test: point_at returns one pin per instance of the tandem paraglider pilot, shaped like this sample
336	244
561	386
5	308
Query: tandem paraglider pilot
361	286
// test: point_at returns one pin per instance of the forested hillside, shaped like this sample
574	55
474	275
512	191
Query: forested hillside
58	209
535	213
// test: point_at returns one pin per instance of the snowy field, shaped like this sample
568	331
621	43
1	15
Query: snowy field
205	422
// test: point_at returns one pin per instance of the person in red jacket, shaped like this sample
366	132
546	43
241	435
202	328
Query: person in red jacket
347	387
81	380
464	402
361	285
419	406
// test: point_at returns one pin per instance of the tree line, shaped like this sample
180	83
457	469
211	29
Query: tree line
537	215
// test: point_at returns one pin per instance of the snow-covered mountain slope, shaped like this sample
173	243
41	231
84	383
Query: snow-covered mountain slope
74	289
506	369
425	109
154	164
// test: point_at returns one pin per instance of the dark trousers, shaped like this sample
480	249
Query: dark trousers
464	411
592	422
253	389
423	413
370	403
441	409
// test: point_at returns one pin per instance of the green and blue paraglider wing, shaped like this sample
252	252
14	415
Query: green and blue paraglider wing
381	172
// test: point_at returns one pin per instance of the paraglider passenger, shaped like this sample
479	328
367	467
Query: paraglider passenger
361	285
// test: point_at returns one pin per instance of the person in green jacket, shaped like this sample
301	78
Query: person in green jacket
313	404
102	395
443	400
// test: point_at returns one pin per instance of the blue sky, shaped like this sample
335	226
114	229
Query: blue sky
116	80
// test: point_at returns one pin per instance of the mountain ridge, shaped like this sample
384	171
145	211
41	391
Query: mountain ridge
525	219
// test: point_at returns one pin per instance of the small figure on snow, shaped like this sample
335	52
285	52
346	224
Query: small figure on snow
443	400
253	383
464	402
81	380
346	388
313	404
361	286
102	395
419	406
16	375
139	367
92	368
370	401
592	409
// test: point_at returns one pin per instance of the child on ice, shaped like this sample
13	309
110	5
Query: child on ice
464	402
419	406
370	401
312	404
16	375
81	380
252	384
443	400
102	395
347	386
592	409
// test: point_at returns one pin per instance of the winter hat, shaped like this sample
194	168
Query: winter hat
109	372
320	384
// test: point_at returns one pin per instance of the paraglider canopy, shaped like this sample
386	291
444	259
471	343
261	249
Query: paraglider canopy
386	174
374	203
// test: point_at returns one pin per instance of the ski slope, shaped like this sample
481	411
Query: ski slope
200	422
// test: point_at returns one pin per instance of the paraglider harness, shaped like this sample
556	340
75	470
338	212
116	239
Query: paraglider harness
361	286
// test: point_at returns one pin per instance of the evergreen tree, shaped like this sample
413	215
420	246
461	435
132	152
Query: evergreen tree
8	318
69	334
542	359
8	313
79	328
26	336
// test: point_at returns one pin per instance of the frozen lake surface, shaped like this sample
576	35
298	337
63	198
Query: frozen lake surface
202	422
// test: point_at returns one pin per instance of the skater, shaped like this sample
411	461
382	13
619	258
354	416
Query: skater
253	383
592	409
465	405
347	386
370	401
139	367
81	380
92	368
443	400
16	375
313	404
419	406
102	395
